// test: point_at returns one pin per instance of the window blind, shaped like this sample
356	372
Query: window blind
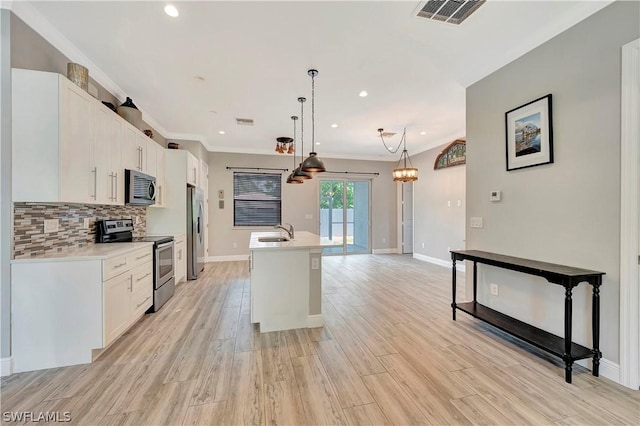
256	199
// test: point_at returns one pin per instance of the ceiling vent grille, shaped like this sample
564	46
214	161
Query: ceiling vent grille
244	121
387	134
449	11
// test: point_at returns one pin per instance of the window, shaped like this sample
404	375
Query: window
256	199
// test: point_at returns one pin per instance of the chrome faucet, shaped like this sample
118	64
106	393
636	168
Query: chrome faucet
289	231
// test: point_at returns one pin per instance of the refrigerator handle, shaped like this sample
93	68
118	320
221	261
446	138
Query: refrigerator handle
198	225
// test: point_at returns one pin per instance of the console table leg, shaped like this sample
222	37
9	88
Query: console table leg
567	333
595	324
475	282
453	287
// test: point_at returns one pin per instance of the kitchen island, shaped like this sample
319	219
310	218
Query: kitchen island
286	280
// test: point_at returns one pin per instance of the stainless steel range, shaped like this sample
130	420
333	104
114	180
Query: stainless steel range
121	231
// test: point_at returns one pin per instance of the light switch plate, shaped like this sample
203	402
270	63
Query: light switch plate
476	222
221	204
315	263
308	216
51	225
86	223
220	194
495	195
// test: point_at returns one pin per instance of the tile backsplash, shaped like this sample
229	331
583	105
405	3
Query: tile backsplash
29	238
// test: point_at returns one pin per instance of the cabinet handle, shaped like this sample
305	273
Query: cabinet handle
130	283
115	196
180	254
120	265
95	183
143	256
143	302
142	278
139	158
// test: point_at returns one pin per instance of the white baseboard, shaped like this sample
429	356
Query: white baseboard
385	251
6	366
446	263
608	369
233	258
314	321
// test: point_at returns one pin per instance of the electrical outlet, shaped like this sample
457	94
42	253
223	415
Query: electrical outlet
476	222
315	263
308	216
51	225
494	289
449	203
422	245
86	223
235	245
459	203
384	240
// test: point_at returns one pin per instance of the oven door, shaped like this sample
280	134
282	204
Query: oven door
164	264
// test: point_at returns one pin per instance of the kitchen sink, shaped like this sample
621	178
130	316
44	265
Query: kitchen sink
272	239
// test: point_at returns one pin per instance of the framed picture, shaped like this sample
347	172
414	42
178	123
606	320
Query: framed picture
529	134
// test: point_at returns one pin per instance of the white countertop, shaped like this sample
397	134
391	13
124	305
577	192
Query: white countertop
302	240
89	252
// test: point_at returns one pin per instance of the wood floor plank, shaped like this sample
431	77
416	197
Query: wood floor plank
395	403
283	404
299	343
359	355
204	414
345	379
245	403
321	405
366	415
476	410
213	382
276	360
227	325
170	405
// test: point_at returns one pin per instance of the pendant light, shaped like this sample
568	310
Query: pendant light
291	178
298	173
313	163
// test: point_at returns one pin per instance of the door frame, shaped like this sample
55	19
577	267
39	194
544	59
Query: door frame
344	214
629	213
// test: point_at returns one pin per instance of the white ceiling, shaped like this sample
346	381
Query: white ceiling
254	58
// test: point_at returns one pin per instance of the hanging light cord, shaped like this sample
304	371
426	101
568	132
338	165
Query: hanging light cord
405	153
302	100
313	112
402	140
294	118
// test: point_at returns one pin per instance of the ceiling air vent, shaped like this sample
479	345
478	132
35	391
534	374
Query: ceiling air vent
449	11
387	134
244	121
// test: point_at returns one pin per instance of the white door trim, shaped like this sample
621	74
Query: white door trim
629	212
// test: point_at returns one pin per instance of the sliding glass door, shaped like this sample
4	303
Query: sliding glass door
345	212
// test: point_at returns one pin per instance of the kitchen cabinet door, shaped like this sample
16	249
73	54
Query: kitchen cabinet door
78	174
135	149
180	259
116	306
192	170
160	177
108	156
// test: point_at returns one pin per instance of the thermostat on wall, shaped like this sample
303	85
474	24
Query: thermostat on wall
495	195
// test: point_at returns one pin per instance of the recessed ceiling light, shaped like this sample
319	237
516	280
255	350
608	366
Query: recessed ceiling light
317	143
171	11
363	94
334	125
221	132
423	133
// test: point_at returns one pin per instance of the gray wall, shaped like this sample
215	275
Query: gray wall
5	184
297	200
567	212
437	225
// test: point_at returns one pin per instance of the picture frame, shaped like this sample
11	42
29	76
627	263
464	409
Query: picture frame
529	134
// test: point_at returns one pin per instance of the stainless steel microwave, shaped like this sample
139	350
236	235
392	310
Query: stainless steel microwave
139	188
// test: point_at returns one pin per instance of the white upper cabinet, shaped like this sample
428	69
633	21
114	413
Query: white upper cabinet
135	149
67	146
156	167
108	156
193	166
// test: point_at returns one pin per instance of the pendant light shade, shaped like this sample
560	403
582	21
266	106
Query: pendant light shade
313	164
402	173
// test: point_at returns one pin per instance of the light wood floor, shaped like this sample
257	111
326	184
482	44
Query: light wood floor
388	354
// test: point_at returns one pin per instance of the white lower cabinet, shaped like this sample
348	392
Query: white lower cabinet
63	310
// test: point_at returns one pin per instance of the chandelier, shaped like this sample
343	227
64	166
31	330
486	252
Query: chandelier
402	173
284	145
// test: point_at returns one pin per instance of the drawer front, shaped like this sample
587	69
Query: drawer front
141	256
142	277
115	266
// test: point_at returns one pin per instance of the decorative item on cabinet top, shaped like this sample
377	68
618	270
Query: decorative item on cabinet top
130	112
148	132
79	75
454	154
173	145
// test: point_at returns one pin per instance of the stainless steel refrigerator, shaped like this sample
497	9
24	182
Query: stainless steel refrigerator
195	232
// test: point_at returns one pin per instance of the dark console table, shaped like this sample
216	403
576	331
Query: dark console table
565	276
